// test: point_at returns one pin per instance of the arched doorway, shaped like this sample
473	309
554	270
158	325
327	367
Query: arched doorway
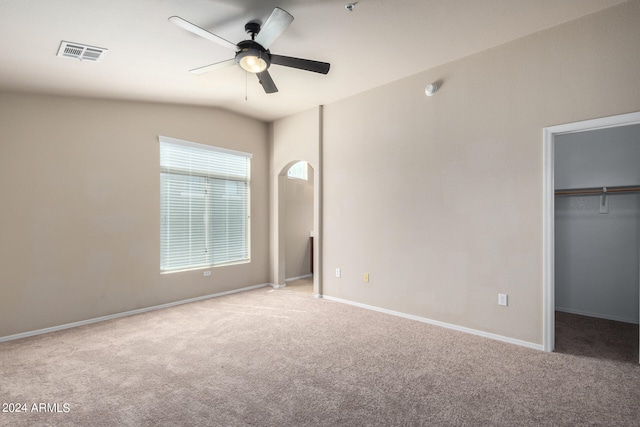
298	227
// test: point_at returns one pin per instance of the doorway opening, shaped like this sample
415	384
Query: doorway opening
297	234
585	286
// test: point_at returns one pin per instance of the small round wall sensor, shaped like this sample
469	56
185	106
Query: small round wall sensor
350	6
431	89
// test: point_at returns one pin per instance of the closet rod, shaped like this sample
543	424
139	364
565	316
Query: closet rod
599	190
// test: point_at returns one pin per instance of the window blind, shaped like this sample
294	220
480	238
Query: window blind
204	205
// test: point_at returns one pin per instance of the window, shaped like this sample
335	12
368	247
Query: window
298	171
204	205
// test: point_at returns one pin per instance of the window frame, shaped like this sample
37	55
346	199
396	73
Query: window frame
212	181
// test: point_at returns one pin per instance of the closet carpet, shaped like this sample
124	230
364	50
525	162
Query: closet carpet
593	337
283	358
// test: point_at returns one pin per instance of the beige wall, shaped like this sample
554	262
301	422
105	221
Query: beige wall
79	220
439	198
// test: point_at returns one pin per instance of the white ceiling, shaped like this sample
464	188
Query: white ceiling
149	57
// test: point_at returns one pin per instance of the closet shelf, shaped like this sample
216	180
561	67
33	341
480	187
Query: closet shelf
598	190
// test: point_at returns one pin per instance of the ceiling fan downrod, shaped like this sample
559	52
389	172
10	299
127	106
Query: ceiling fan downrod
252	28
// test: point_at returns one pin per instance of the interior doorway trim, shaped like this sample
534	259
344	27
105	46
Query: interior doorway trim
548	241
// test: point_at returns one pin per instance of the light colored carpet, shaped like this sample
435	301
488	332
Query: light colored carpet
283	358
304	286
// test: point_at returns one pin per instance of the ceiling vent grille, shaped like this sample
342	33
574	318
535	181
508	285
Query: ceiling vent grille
81	51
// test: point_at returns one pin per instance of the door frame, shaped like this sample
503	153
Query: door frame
549	133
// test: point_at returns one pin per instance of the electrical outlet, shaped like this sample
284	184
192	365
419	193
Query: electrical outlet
207	273
365	277
338	272
502	299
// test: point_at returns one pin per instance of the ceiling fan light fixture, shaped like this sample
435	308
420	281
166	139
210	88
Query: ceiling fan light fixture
253	60
253	64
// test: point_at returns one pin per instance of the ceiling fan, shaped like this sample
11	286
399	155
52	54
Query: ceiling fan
253	55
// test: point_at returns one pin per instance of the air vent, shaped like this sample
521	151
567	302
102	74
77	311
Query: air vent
81	51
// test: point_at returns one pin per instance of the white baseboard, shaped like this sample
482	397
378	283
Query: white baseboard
291	279
438	323
126	313
598	315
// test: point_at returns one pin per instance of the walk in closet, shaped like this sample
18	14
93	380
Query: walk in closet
597	229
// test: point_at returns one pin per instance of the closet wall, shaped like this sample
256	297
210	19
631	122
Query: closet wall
597	254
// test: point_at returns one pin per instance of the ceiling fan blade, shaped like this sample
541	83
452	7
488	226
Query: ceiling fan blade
277	22
267	82
302	64
211	67
202	32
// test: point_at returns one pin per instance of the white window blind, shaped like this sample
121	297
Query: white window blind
204	205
